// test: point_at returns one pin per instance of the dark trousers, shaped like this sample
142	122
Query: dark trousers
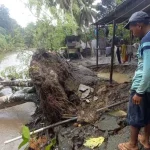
118	55
139	115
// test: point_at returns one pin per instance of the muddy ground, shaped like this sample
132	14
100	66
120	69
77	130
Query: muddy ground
114	129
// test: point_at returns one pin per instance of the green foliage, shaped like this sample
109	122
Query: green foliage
51	145
25	136
11	34
5	19
82	11
29	35
51	36
106	6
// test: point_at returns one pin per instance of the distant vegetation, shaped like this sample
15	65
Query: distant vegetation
53	24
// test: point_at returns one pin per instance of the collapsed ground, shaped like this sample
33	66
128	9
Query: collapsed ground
85	93
65	90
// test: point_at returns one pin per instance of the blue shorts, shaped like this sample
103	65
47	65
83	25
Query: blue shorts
139	115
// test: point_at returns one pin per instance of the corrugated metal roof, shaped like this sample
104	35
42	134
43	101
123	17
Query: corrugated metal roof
123	12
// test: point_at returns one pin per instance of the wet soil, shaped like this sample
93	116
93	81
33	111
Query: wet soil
71	136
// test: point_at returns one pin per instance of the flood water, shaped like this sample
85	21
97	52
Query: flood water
13	118
15	63
118	77
11	121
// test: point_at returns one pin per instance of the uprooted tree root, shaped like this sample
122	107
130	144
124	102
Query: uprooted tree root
56	82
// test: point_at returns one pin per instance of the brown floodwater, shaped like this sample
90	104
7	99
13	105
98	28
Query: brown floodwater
118	77
11	121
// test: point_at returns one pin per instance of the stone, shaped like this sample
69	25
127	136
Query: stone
85	94
6	91
102	147
95	98
64	143
87	100
83	88
114	140
92	90
107	124
106	134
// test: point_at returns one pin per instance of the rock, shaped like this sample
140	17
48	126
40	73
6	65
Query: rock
85	94
86	148
114	140
84	91
95	98
64	143
122	121
6	91
83	88
92	90
88	117
87	100
26	94
84	75
107	124
106	134
102	147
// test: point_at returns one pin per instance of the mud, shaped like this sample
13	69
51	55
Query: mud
72	135
117	77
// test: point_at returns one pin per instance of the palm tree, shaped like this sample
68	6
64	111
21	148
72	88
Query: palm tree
86	11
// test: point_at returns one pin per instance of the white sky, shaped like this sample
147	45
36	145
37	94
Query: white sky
19	12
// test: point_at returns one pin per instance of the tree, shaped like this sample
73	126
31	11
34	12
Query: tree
51	36
106	6
5	19
29	35
86	11
11	34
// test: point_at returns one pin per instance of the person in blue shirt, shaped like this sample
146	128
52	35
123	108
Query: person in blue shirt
139	104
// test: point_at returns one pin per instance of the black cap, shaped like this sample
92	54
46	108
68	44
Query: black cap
138	16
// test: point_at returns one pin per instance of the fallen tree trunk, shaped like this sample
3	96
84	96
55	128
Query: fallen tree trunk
56	82
12	100
27	94
20	83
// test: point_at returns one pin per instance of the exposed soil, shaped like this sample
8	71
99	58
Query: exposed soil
72	135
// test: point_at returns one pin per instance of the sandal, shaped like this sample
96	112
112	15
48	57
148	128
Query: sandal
124	146
140	141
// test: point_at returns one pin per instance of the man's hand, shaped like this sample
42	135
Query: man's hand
136	99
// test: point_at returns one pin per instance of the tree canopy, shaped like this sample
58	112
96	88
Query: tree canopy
56	19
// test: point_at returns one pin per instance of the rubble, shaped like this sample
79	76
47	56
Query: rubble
107	124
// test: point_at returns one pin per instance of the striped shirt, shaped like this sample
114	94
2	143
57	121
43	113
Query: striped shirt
141	79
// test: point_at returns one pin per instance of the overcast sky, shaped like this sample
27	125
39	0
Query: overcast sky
19	12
